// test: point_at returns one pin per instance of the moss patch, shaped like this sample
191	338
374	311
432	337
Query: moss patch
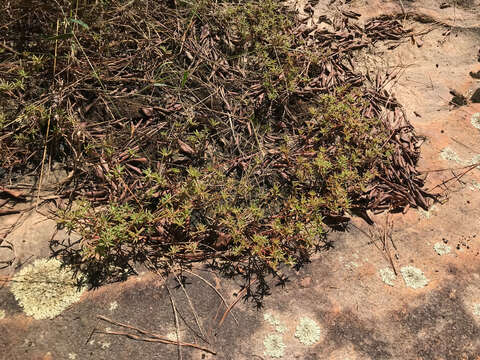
475	186
428	214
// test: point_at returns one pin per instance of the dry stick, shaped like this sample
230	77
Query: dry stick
10	261
48	123
215	289
403	10
448	169
256	139
195	315
9	211
156	337
385	241
458	177
371	237
56	51
240	295
215	317
91	333
177	332
462	144
130	191
6	47
136	337
43	157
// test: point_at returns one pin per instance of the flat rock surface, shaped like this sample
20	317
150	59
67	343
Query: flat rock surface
362	309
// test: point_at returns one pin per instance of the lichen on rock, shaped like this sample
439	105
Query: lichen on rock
44	289
451	155
475	186
413	277
2	314
388	276
476	309
476	120
441	248
307	332
272	320
113	306
172	335
428	214
274	346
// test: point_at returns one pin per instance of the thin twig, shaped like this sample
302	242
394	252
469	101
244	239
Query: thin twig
156	337
195	315
239	296
214	289
469	168
177	327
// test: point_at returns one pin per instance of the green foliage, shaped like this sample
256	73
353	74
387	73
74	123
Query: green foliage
193	131
109	228
202	208
264	30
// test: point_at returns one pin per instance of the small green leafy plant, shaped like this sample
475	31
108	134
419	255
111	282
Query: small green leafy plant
194	130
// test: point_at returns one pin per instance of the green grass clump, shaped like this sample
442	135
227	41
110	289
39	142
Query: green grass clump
193	130
274	216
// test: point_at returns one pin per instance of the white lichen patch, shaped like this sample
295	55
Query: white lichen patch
428	214
351	265
105	345
307	332
475	160
441	248
413	277
2	314
172	335
476	309
44	289
272	320
450	155
388	276
72	356
476	120
274	346
475	186
113	306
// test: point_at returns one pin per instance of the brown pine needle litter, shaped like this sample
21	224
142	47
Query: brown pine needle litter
227	131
